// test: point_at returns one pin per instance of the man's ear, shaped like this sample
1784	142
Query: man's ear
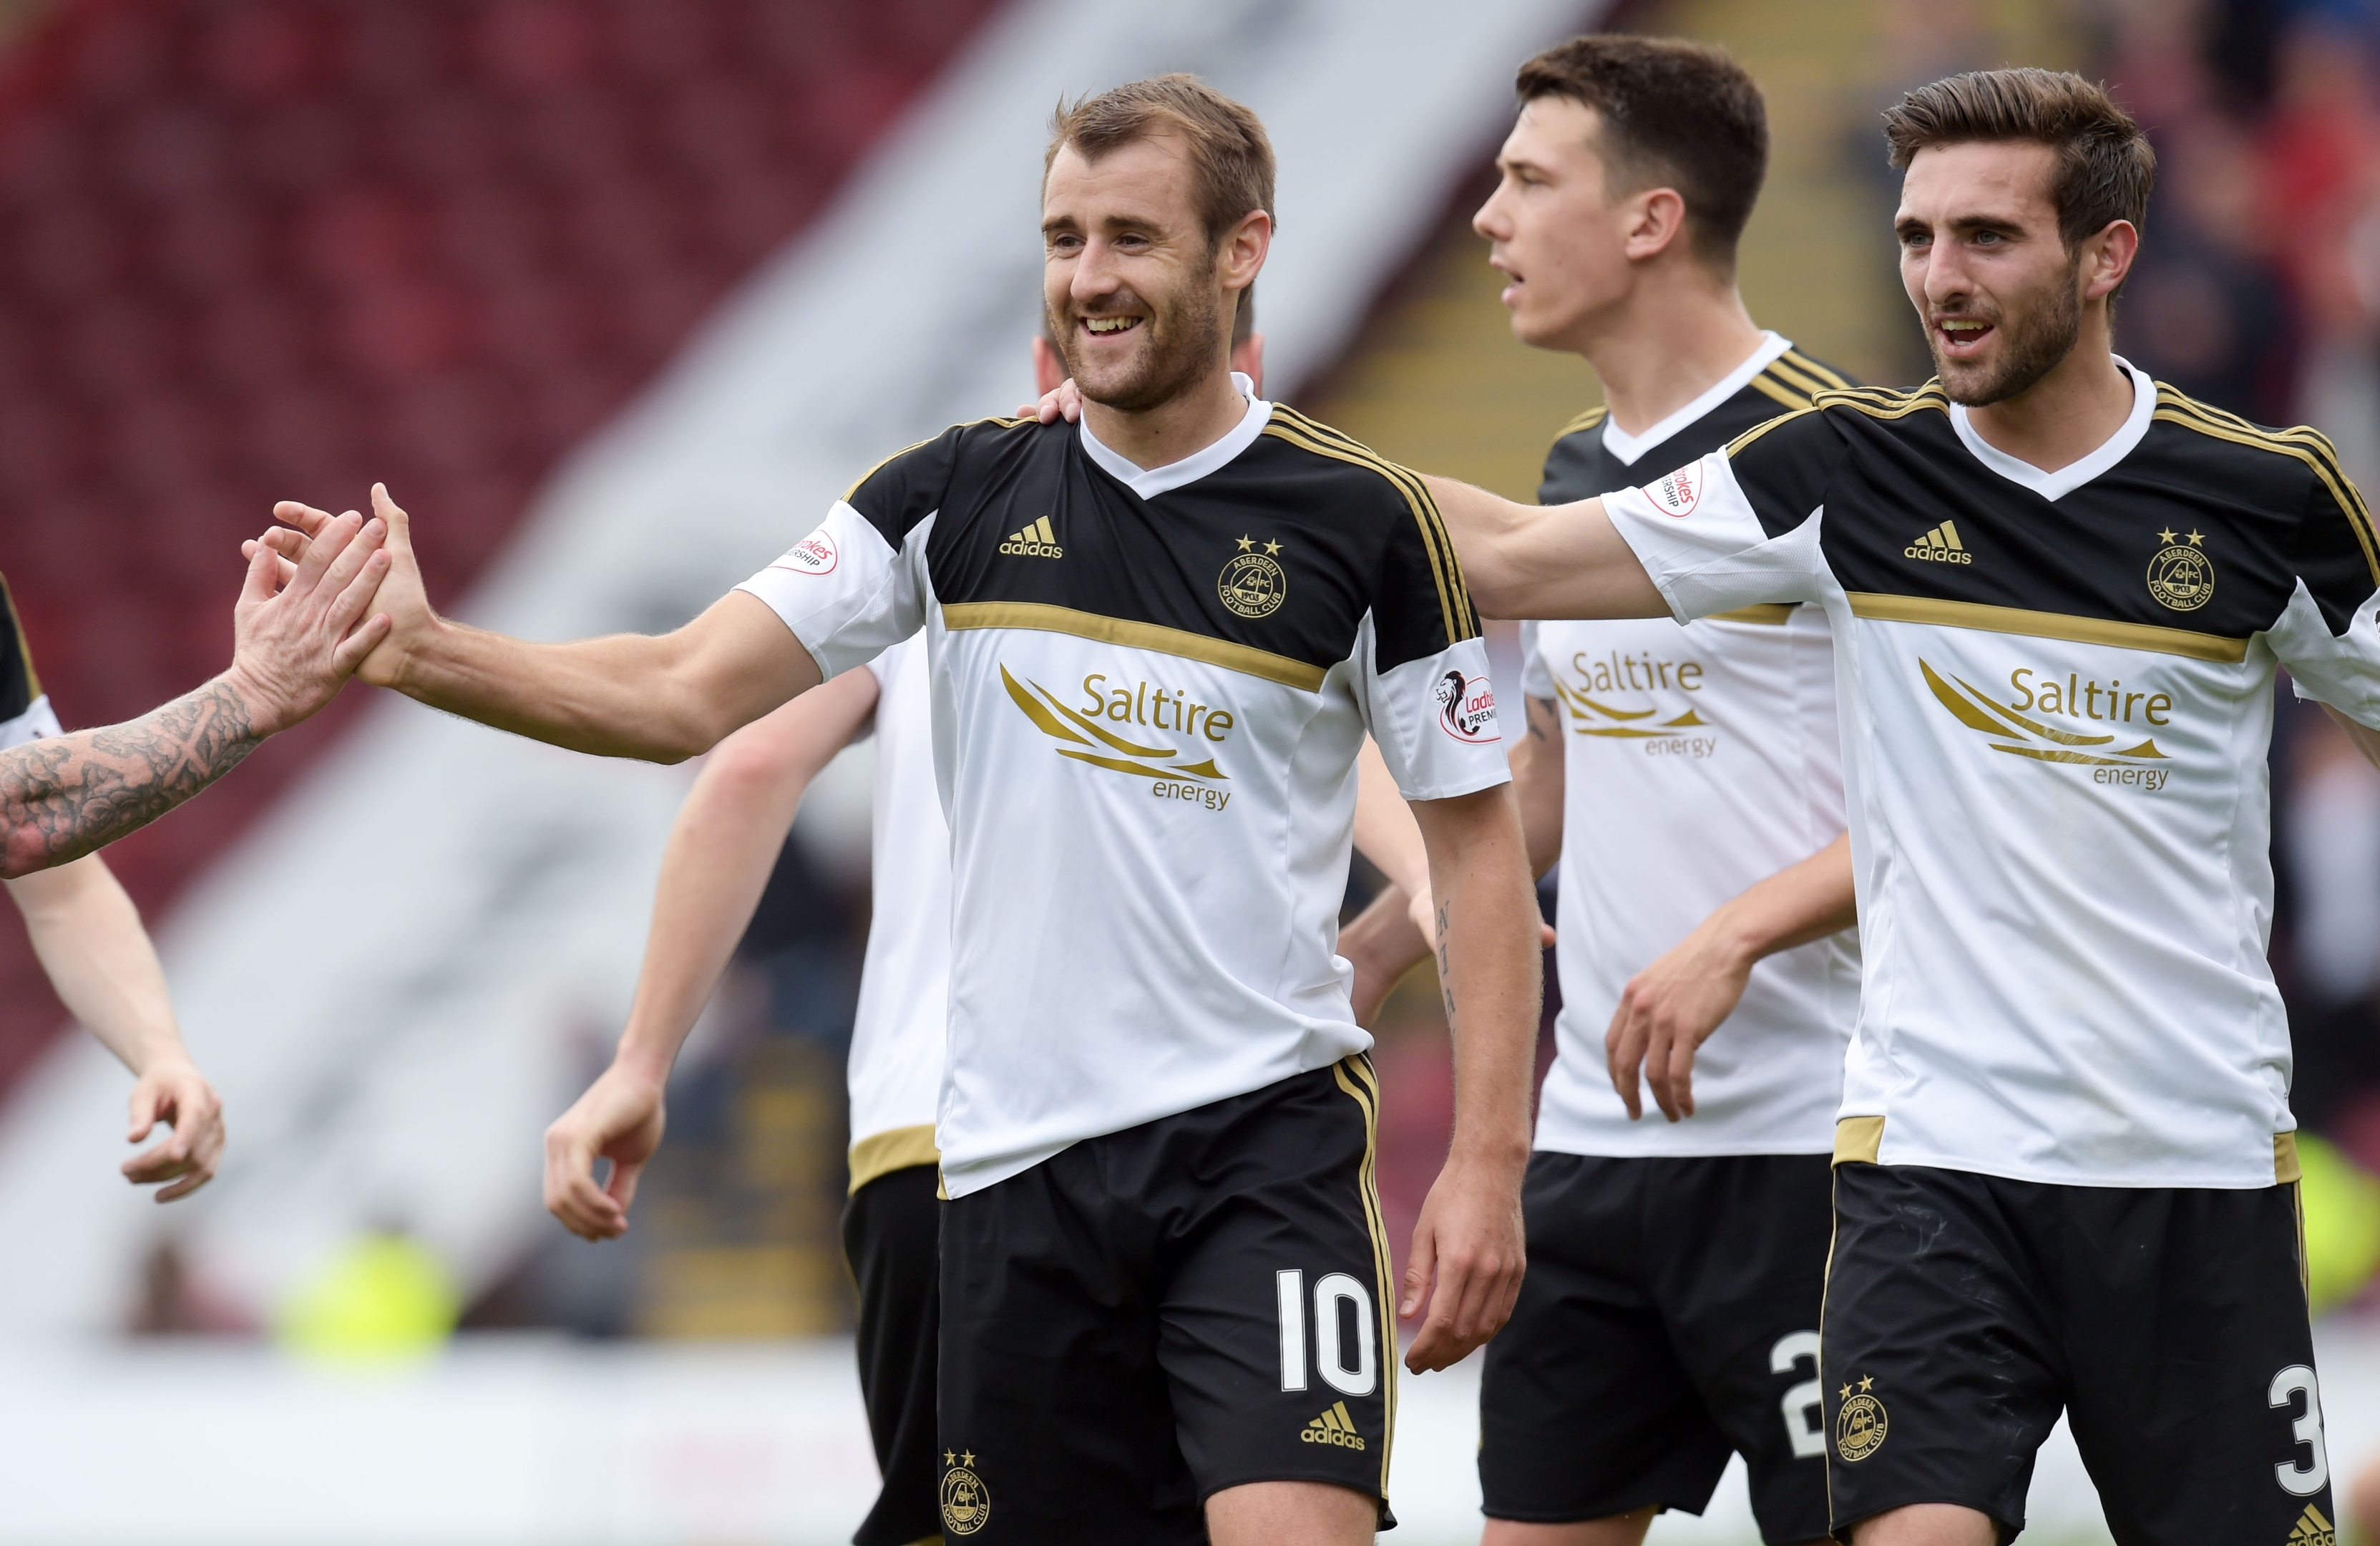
1657	221
1049	369
1241	251
2107	258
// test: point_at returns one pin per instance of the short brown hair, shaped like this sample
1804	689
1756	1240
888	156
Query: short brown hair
2105	167
1229	155
1673	112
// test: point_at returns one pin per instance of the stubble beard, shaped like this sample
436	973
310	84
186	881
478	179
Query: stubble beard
2027	352
1179	340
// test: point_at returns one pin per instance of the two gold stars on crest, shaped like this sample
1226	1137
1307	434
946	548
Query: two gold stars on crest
963	1457
1248	544
2169	539
1867	1384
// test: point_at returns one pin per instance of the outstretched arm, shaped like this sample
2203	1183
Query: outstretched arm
68	796
1671	1007
660	698
88	935
1467	1249
1544	560
725	842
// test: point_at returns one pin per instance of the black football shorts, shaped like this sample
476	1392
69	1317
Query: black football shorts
1147	1318
889	1229
1964	1311
1669	1319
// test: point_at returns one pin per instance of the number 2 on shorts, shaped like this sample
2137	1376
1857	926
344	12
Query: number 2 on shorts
1330	1291
1809	1436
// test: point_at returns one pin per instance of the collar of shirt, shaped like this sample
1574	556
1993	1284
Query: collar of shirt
1150	481
1627	447
2067	479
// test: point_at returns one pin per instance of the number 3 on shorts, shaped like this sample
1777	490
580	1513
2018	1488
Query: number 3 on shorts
1330	1291
2302	1480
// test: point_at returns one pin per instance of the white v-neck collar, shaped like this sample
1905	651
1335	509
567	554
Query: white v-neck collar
2067	479
1628	447
1150	481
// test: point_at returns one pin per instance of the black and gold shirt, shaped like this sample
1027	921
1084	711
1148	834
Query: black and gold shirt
24	712
2057	700
1149	687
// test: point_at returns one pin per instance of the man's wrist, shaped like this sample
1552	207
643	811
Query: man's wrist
1505	1153
264	711
644	1065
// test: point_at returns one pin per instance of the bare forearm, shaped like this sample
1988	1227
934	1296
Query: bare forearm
72	795
2366	739
1544	561
1800	902
1489	968
88	936
617	696
1537	785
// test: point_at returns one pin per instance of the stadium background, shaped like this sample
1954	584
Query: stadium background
614	293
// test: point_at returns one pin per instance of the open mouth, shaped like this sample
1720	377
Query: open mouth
1108	327
1962	337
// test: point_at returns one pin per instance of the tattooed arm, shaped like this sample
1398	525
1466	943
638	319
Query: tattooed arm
65	796
1467	1251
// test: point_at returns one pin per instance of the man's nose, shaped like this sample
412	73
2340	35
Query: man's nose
1491	222
1094	272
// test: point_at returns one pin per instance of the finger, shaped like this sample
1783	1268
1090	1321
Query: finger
622	1187
350	561
284	571
400	525
304	518
357	589
160	1163
353	648
571	1193
263	580
327	545
1657	1045
1622	1048
1545	936
1421	1263
144	1112
1681	1074
199	1177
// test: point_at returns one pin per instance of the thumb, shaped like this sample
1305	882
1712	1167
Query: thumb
263	569
400	525
621	1186
145	1100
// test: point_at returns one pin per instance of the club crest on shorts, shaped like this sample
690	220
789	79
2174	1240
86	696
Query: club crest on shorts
966	1502
1860	1424
1252	584
2181	576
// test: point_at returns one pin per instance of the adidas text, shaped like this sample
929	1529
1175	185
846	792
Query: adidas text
1035	541
1335	1427
1940	546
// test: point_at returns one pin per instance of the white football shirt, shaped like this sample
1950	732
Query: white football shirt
2057	698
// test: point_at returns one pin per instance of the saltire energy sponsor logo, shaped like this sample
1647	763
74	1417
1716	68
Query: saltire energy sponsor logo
1940	546
1666	733
1035	541
1466	707
814	554
2020	734
1334	1427
1083	738
1678	493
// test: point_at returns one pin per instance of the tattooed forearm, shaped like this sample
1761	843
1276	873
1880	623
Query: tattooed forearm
67	796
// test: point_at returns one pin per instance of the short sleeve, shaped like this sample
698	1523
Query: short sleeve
1536	681
1737	528
25	713
2328	635
857	585
1425	691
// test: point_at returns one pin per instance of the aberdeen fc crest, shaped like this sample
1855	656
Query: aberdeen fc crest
966	1502
2181	576
1252	584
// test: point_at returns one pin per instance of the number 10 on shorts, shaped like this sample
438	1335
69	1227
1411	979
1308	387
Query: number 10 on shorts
1344	1324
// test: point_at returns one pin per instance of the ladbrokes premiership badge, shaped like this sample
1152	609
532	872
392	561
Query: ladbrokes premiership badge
1860	1424
966	1502
2181	576
1252	584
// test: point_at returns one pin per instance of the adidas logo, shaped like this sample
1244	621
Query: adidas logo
1335	1427
1035	541
2313	1529
1939	547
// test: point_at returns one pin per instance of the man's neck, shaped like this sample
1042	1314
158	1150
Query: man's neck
1667	344
2066	415
1180	426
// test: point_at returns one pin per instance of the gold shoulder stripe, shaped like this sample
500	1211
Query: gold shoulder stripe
1453	597
1748	436
1242	657
1586	420
2048	624
24	645
1768	613
968	424
2309	446
1778	391
1878	403
1833	379
894	1149
1800	381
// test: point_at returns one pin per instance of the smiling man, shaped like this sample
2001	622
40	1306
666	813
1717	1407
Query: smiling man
1156	642
2065	1166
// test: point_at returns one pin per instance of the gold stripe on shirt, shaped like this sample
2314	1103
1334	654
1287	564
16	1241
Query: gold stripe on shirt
881	1154
1043	618
2048	624
1858	1140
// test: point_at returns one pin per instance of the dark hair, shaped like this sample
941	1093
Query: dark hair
1676	112
2105	167
1229	152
